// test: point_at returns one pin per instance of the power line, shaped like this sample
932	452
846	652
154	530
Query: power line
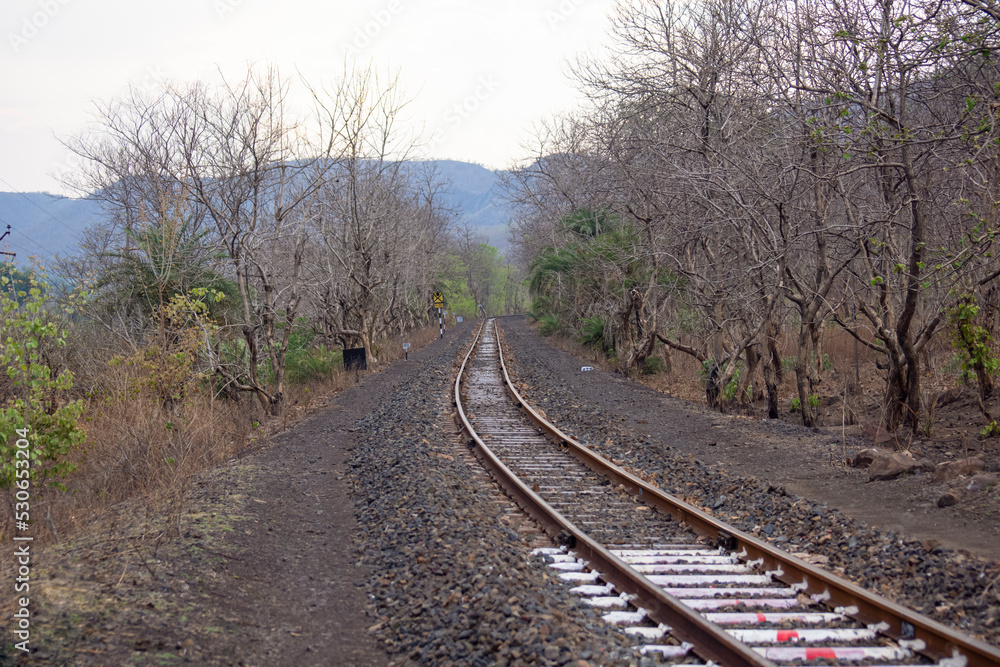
21	248
51	253
28	238
25	251
35	204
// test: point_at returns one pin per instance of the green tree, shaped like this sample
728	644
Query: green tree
32	410
975	345
600	272
162	259
19	280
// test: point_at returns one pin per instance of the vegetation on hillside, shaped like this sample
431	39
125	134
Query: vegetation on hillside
242	249
748	175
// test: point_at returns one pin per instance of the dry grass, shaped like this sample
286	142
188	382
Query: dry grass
849	372
140	447
392	349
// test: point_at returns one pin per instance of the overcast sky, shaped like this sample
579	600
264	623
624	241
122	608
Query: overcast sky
481	72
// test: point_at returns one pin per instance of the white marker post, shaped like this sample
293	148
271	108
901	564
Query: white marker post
439	304
406	350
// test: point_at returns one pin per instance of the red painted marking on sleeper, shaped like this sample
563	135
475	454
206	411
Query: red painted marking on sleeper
817	653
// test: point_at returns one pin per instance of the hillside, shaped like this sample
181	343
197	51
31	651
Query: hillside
43	225
475	191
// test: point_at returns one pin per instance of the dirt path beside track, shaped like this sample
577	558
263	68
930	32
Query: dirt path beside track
804	461
255	564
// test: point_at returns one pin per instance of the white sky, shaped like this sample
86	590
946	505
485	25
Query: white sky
482	73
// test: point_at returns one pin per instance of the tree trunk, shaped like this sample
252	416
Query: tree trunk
745	392
772	371
895	394
802	383
713	394
907	393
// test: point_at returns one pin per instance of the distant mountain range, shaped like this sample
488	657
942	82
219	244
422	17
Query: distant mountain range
44	225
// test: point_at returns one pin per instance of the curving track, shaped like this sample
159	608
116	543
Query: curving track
688	586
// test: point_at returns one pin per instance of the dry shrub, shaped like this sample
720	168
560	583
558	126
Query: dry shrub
139	445
145	444
841	346
392	348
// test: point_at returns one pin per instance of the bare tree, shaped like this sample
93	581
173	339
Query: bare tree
241	163
898	122
815	155
376	226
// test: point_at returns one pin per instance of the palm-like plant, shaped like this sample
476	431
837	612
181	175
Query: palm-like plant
161	260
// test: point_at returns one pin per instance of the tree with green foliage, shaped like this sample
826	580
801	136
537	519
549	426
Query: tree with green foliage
479	275
160	261
34	406
975	345
18	280
601	270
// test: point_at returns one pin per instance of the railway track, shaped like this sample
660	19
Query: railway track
685	585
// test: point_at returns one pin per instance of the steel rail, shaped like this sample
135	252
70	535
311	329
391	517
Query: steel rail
891	618
711	642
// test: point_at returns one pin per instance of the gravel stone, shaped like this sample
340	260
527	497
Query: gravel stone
946	584
451	583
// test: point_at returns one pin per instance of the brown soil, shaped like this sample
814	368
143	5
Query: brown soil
807	462
252	564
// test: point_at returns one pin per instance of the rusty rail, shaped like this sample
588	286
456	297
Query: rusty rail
899	622
710	641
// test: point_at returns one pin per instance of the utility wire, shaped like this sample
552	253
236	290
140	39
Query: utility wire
35	204
28	238
31	240
27	253
21	248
